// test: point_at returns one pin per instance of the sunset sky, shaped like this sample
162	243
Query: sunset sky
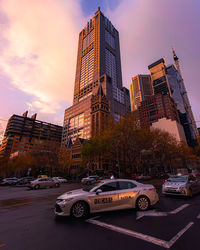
39	40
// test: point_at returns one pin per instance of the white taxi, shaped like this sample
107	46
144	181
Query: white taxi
106	195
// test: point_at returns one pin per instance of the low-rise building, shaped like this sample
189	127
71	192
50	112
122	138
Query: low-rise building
172	127
24	134
156	107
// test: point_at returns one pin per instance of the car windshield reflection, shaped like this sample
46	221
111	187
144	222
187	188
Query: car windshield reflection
89	188
178	179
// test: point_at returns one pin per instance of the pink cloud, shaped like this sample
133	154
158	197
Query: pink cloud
40	55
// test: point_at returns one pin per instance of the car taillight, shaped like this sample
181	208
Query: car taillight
98	180
163	181
31	182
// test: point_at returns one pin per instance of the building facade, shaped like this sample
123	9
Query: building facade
168	80
174	128
24	134
159	78
156	107
100	113
98	63
140	89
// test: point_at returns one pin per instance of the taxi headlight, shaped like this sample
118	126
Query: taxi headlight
64	200
67	200
182	189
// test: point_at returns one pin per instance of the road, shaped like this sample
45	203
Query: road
27	222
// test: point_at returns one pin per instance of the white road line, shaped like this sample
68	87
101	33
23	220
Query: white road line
139	215
179	234
141	236
151	239
150	213
198	216
96	217
177	210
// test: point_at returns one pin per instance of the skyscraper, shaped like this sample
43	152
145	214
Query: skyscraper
191	121
98	62
168	80
140	89
159	77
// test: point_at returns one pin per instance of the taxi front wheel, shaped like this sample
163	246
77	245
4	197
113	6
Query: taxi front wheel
142	203
79	210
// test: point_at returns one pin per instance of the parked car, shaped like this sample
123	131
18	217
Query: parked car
143	177
186	185
9	181
106	195
60	179
25	180
90	179
42	176
43	183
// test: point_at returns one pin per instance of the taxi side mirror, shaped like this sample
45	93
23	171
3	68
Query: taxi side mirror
98	191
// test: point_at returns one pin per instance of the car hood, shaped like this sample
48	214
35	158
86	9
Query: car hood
174	184
73	193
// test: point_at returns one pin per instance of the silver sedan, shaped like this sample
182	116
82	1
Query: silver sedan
43	183
186	185
106	195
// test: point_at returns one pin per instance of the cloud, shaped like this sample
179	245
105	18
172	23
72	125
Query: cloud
39	41
148	29
38	49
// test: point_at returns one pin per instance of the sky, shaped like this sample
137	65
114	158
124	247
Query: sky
39	41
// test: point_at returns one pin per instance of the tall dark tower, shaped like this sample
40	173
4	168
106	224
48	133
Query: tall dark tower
100	112
192	123
98	54
98	63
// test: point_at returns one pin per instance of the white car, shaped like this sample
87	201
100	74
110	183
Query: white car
90	179
60	179
186	185
106	195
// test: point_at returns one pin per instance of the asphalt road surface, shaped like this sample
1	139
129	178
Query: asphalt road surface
27	222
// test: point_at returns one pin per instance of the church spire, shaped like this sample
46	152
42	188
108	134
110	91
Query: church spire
100	91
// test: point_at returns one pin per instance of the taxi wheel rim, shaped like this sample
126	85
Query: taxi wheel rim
143	203
78	210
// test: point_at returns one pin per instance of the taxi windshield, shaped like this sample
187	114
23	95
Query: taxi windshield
178	179
89	188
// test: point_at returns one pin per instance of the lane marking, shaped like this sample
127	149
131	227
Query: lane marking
179	234
151	239
139	215
177	210
141	236
2	245
96	217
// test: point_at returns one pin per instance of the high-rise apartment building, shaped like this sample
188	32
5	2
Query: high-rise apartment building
24	134
168	80
140	89
98	62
